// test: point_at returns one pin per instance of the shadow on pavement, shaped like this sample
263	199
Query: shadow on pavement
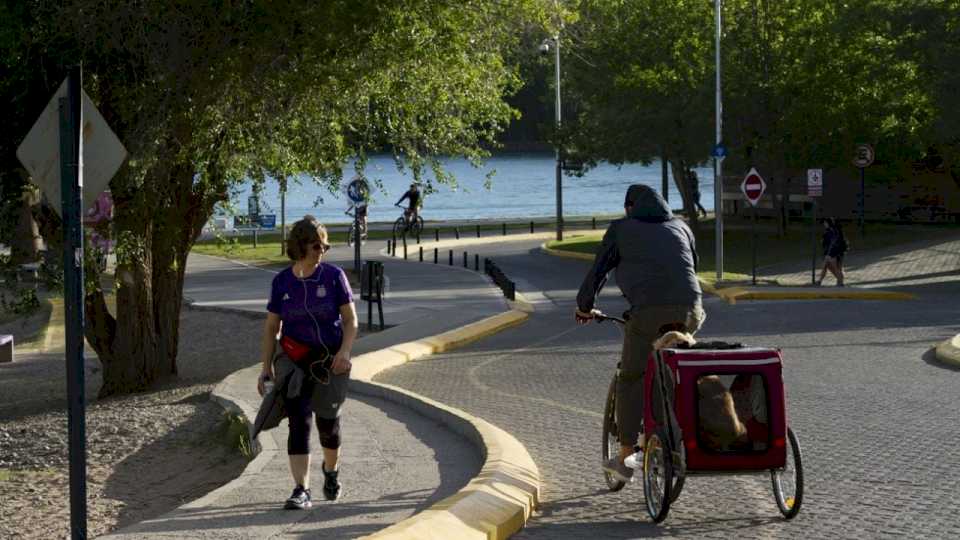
930	357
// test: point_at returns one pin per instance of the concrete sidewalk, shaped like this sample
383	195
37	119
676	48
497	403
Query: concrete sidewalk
395	461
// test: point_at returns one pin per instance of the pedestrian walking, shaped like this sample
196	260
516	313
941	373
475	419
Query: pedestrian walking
693	183
311	309
835	246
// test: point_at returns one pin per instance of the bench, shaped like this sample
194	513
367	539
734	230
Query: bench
6	348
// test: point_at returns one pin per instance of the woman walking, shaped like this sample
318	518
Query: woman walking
311	310
834	247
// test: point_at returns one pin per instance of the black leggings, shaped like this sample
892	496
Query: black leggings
298	415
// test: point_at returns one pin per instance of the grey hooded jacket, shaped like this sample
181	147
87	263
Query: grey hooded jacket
288	378
653	252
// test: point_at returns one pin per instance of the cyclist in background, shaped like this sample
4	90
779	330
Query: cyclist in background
655	257
413	195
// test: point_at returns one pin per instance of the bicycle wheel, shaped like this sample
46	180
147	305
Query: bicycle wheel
611	437
416	227
788	483
399	227
657	475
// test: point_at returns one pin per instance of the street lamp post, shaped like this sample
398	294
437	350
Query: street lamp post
556	41
545	49
718	160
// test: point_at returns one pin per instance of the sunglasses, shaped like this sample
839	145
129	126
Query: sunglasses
321	247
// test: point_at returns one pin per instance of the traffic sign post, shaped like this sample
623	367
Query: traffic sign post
753	187
863	158
358	191
59	160
814	190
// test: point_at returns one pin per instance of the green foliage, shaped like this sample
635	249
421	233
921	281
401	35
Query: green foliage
803	81
235	433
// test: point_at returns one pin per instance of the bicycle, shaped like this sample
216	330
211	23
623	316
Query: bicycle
351	236
678	439
405	225
611	433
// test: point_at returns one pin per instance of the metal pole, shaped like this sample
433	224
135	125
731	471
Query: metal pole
356	239
813	243
718	163
71	187
863	199
283	216
754	244
556	42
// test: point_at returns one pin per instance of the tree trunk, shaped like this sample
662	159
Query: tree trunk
26	243
680	171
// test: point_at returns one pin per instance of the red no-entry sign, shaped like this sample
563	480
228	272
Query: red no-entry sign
753	187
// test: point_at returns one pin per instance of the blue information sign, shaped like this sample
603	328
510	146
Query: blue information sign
268	221
719	151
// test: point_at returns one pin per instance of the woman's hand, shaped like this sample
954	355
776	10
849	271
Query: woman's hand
265	375
341	362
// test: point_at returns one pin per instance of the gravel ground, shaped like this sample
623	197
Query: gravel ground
147	453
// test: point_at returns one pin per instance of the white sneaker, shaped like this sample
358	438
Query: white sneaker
634	461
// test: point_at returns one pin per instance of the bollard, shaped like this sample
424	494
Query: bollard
404	251
421	253
478	231
388	248
435	250
436	235
254	238
451	257
476	262
531	227
465	264
504	229
593	222
456	232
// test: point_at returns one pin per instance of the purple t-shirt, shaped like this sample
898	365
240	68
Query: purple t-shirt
310	307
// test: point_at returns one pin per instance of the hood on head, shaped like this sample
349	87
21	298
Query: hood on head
648	205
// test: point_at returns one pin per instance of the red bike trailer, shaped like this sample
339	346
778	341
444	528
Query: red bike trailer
725	414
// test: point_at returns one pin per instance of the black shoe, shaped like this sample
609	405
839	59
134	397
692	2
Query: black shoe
299	500
331	486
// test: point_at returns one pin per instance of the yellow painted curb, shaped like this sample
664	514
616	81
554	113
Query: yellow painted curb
734	294
566	253
500	499
948	352
54	336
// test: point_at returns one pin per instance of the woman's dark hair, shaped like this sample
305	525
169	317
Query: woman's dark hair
303	235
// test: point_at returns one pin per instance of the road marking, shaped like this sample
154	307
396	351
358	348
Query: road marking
475	380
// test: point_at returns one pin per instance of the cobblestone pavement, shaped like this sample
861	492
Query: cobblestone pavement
875	415
928	262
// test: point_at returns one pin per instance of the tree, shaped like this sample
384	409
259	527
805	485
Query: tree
206	94
640	72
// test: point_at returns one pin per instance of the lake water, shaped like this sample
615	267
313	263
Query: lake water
524	186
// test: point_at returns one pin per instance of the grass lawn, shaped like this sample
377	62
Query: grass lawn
795	246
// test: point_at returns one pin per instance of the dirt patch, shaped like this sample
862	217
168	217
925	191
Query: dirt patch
147	453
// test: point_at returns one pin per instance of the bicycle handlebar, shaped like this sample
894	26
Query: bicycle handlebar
601	317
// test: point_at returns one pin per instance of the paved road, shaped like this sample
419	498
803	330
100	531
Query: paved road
876	416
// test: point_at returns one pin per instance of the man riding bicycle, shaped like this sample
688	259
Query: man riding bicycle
655	257
412	211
